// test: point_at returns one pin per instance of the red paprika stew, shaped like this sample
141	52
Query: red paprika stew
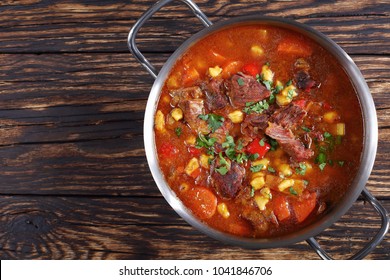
258	130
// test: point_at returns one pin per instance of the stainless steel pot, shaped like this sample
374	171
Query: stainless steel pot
367	157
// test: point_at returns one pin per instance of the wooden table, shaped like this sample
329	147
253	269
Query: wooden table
74	181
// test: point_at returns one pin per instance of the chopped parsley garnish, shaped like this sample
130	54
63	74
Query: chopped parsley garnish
257	168
259	78
277	89
252	192
239	145
229	142
240	82
327	135
268	84
273	143
271	169
214	121
302	169
222	170
321	158
253	156
224	165
272	98
256	107
304	128
178	131
289	82
305	182
341	163
203	141
292	191
240	158
261	142
322	166
290	94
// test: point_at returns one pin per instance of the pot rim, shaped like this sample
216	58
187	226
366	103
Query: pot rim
370	136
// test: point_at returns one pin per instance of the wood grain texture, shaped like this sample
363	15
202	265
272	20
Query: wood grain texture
139	228
74	180
90	26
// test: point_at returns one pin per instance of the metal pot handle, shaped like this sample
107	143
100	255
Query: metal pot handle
140	22
375	240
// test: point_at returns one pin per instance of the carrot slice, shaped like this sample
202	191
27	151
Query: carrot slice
231	68
281	208
201	201
302	209
294	46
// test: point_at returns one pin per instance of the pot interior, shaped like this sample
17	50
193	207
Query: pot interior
367	156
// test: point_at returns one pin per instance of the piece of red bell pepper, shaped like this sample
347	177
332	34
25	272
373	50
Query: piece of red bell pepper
256	148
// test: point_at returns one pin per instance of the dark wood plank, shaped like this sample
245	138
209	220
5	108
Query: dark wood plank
90	26
36	82
147	228
72	124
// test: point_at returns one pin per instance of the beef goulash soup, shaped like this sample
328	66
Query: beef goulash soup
258	130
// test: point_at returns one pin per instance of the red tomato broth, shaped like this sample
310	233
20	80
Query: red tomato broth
230	49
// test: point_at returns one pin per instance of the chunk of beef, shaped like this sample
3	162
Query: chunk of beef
192	108
227	185
221	133
244	88
289	116
191	102
215	94
304	81
288	142
185	94
254	125
256	219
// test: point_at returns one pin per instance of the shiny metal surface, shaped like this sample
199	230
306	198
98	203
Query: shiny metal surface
370	137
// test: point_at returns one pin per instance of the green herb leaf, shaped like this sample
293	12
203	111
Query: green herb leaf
327	135
302	169
305	182
277	89
253	156
268	85
292	191
289	82
222	159
214	121
229	142
273	143
304	128
261	142
203	141
322	166
178	131
222	170
252	192
240	146
321	158
272	98
290	94
271	169
240	82
258	78
341	163
257	107
257	168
